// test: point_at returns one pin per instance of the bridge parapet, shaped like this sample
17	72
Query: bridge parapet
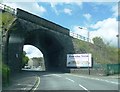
40	21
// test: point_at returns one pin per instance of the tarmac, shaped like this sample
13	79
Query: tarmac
26	81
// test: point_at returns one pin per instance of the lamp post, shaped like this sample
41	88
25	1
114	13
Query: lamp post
88	35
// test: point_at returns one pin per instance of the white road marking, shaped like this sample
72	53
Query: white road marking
57	75
46	75
24	88
19	84
37	84
84	88
70	79
24	85
95	79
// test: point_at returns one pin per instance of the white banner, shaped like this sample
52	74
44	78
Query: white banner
79	60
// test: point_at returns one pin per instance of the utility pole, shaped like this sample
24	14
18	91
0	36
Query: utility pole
118	38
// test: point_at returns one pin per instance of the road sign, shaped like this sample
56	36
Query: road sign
79	60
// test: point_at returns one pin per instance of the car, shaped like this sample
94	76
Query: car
27	67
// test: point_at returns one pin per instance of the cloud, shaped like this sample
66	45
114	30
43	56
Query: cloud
68	11
53	6
106	29
32	51
55	3
31	7
87	16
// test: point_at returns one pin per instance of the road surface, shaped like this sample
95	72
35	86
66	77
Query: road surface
65	81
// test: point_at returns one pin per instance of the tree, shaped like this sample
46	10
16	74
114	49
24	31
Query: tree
98	41
25	59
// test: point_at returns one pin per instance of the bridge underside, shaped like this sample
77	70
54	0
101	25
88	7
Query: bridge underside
52	49
54	45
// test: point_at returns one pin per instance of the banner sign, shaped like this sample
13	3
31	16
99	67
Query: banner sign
79	60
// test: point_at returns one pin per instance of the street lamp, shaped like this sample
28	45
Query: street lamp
88	35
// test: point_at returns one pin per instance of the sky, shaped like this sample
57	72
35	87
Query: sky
98	18
32	51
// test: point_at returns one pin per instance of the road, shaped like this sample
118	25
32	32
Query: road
37	80
65	81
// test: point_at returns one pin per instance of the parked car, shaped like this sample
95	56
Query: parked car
27	67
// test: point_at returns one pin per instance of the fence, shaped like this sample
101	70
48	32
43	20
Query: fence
108	69
98	69
8	9
80	37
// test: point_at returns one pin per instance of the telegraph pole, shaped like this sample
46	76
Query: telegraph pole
118	38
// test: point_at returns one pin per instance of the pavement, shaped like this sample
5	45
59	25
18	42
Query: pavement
21	81
114	76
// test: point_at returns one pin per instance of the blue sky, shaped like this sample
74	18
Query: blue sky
76	13
99	18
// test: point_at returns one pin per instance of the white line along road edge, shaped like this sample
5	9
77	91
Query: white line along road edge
84	88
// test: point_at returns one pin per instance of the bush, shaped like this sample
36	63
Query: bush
5	74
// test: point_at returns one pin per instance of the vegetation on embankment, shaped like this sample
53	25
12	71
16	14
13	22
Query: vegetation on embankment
101	52
105	57
6	19
5	74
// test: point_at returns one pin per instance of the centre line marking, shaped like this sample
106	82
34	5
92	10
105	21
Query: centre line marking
70	79
84	88
97	79
37	84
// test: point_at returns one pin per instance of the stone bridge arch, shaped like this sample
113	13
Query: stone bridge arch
52	39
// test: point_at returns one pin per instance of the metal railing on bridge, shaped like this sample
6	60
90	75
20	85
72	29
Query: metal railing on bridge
80	37
8	9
